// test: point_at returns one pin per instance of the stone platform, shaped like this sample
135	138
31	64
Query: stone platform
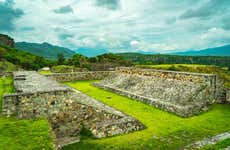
67	109
182	93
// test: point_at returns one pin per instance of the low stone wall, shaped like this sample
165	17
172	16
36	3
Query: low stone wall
91	75
13	103
208	141
182	93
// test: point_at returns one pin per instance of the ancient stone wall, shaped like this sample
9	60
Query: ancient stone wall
90	75
67	113
67	109
182	93
228	95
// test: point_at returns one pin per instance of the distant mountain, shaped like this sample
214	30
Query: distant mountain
90	52
44	49
216	51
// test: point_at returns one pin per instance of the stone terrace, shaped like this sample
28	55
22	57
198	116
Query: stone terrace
67	110
182	93
31	82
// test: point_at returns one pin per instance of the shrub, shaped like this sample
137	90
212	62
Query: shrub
172	68
85	133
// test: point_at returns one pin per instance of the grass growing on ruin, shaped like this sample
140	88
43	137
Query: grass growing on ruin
164	130
22	134
5	87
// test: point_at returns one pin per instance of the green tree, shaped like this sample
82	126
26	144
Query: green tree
61	59
78	60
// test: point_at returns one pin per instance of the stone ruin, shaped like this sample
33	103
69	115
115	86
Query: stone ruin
67	109
182	93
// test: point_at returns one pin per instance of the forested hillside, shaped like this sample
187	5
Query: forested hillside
45	49
23	59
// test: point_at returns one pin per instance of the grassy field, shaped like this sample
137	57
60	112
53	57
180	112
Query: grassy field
164	130
23	134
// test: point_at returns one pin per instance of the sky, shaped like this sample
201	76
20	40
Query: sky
160	26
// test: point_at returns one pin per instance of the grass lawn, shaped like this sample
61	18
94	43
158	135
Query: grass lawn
164	130
23	134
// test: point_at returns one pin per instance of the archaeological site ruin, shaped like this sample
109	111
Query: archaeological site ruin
68	110
182	93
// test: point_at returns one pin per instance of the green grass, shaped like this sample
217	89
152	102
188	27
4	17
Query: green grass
164	130
45	72
5	87
23	134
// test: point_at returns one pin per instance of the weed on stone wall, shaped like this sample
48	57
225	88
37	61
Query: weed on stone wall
85	133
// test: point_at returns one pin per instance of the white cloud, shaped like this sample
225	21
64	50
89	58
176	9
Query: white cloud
147	25
134	43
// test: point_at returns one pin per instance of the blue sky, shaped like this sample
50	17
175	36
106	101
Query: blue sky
119	25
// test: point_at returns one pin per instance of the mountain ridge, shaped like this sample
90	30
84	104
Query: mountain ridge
50	51
44	49
213	51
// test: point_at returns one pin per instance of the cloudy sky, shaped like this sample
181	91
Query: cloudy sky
119	25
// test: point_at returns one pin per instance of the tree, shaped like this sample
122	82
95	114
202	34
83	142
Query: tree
61	59
78	60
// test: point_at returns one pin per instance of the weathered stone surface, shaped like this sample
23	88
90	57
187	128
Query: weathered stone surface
90	75
30	81
208	141
228	95
182	93
67	109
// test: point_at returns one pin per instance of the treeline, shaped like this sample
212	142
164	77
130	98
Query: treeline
30	61
101	62
144	59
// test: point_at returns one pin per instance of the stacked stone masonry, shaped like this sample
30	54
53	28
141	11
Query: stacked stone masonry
67	109
90	75
182	93
228	95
